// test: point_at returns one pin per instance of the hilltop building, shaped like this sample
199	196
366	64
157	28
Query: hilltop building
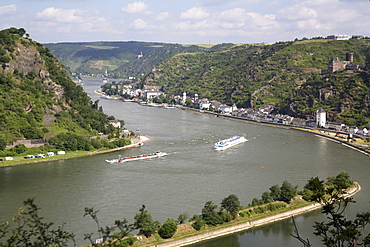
339	37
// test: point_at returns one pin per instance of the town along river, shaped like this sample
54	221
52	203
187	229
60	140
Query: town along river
187	178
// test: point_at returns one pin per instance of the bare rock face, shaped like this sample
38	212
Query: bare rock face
27	59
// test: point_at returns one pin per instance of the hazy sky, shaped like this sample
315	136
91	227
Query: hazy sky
185	21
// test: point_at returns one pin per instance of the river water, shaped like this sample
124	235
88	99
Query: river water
187	178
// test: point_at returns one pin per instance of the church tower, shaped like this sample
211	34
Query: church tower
321	118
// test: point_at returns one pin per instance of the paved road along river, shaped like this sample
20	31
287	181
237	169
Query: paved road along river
189	176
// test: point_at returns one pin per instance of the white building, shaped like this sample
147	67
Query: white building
320	118
225	109
339	37
183	98
152	94
204	104
115	123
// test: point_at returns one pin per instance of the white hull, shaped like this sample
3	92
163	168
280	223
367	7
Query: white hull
228	143
142	157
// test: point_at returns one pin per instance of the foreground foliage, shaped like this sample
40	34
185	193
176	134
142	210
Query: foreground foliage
30	230
338	230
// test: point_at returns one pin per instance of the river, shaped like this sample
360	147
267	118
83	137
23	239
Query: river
187	178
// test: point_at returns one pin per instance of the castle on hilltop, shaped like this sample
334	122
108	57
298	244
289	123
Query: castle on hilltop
335	64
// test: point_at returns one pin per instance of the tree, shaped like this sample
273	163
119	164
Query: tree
168	229
341	181
2	144
210	214
275	192
338	230
20	148
316	187
144	223
182	218
256	202
107	234
32	231
198	224
231	204
288	192
266	197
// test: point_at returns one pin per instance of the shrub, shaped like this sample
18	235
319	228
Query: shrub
168	229
198	224
226	217
244	214
259	210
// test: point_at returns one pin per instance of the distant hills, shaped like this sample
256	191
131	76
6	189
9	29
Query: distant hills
285	75
119	59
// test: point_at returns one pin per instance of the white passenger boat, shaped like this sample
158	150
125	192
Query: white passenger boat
228	143
140	157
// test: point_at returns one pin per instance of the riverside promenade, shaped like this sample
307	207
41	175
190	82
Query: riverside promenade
248	225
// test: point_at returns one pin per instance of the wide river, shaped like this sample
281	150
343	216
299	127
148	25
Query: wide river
187	178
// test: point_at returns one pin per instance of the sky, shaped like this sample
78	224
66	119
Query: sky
185	21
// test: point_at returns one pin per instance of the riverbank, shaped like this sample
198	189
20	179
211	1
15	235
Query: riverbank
238	227
354	144
18	161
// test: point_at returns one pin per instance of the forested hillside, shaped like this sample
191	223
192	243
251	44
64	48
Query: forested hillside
119	59
38	99
98	57
286	75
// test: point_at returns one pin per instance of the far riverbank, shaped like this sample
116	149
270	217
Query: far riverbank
330	135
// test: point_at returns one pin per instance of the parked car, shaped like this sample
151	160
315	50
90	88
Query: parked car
9	158
40	156
29	157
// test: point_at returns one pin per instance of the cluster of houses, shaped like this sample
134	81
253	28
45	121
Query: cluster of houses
263	114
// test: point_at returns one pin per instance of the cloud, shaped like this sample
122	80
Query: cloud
61	15
137	8
238	18
321	17
299	12
162	16
8	9
73	23
139	24
195	13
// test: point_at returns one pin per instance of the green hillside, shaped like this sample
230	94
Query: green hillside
119	59
37	98
286	75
